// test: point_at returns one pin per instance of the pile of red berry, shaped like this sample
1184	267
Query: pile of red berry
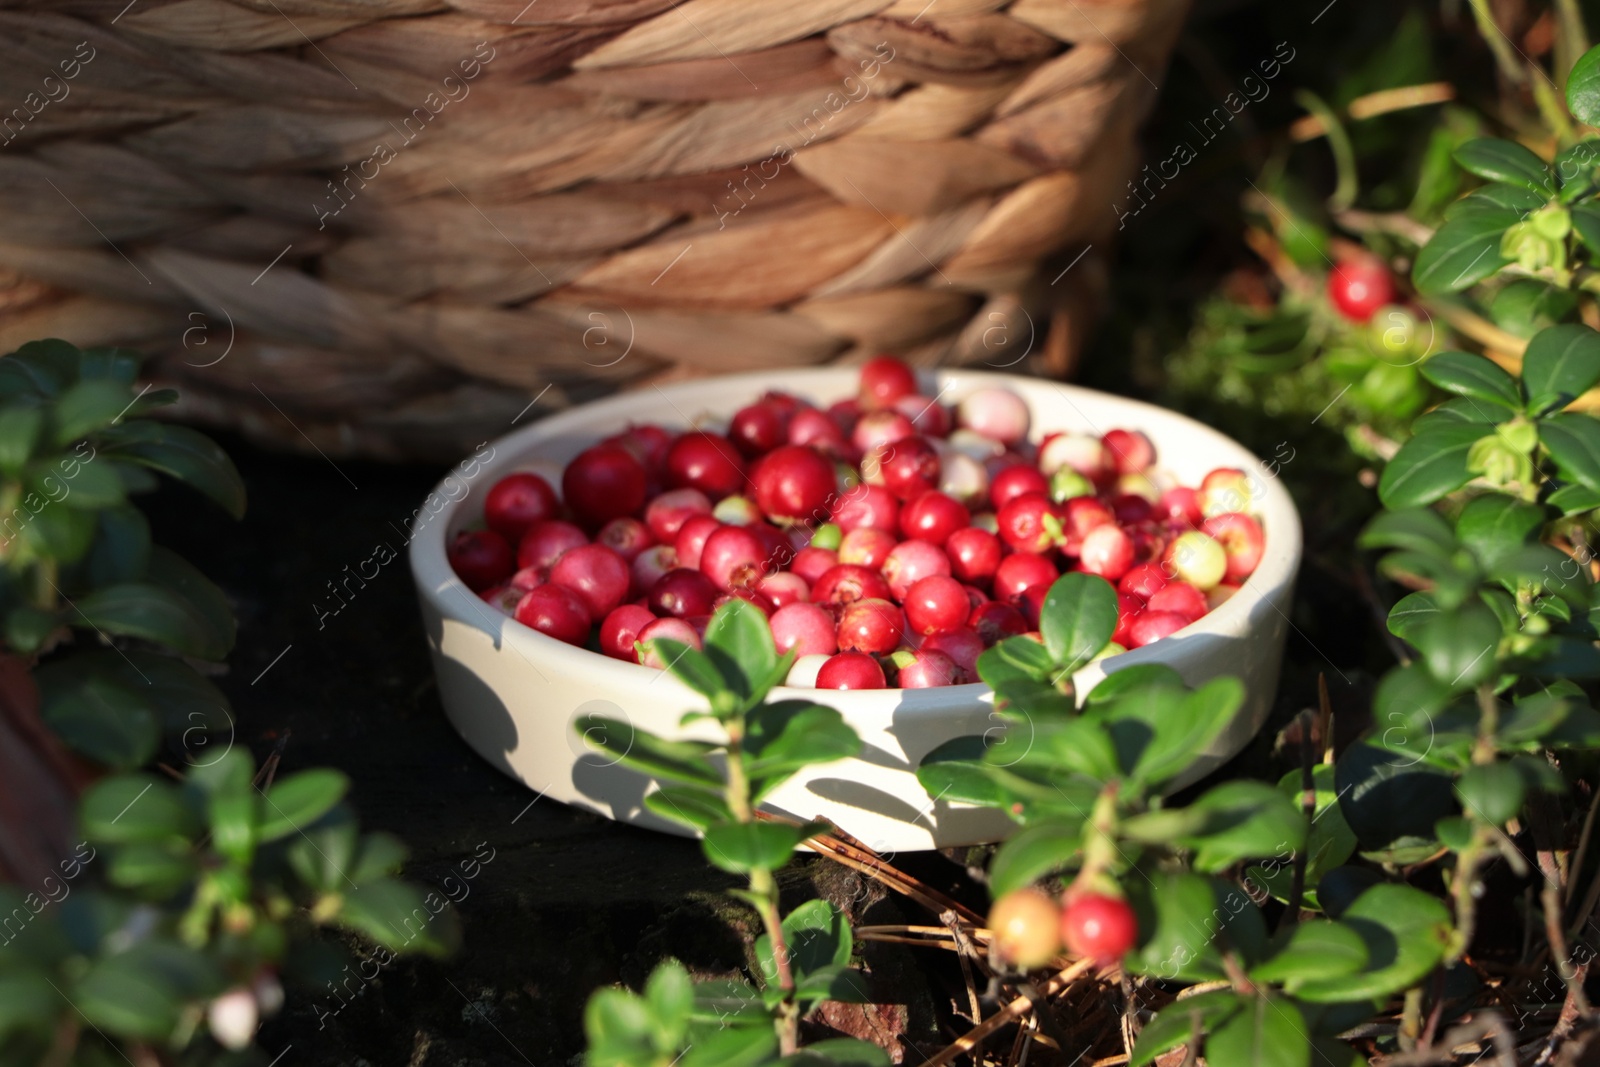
886	537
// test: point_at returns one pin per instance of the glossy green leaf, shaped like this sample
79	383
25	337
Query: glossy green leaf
121	549
1463	251
1411	611
1586	224
1073	744
1032	853
40	368
111	723
1475	377
401	917
1329	840
299	800
816	935
744	847
1179	917
1388	798
1563	360
1245	820
1497	160
726	1047
155	870
19	433
739	642
28	1002
1429	465
1165	737
1406	931
838	1052
1574	443
681	761
1583	88
1500	196
1459	646
132	808
784	736
1493	525
1314	948
670	994
87	406
1183	1021
692	807
117	997
1525	306
1077	619
696	670
1416	529
184	454
1492	791
1270	1031
1015	658
1574	500
155	613
1143	676
955	771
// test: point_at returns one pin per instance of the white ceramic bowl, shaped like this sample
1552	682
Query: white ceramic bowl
514	693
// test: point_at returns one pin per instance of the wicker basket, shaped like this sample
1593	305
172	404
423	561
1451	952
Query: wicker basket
386	226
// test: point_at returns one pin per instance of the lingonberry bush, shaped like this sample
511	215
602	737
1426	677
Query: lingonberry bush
804	956
199	889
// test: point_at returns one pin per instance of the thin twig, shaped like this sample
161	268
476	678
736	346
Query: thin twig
1310	127
1308	804
1583	849
965	952
1008	1014
842	848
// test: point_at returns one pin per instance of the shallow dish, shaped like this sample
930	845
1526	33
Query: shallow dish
514	694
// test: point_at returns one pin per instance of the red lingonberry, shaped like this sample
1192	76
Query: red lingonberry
867	547
906	468
844	583
1153	626
997	413
1143	581
1359	286
681	593
759	428
812	563
545	541
794	483
597	574
910	562
480	558
1106	551
1030	522
871	625
1131	451
879	430
928	669
974	554
850	670
691	539
555	611
626	536
962	645
996	621
683	631
603	483
933	517
806	628
648	566
734	557
516	502
885	379
621	629
1013	481
666	514
1020	572
936	605
866	505
705	461
1179	597
1100	927
784	588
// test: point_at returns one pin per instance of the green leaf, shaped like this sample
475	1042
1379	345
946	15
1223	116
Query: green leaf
1179	918
1463	251
1493	525
401	917
184	454
1142	676
739	641
816	934
1406	931
1416	529
1574	500
1586	224
19	433
105	720
171	570
696	670
1077	619
1494	791
670	995
1410	612
1562	360
1574	443
132	808
119	997
1458	647
682	761
1501	196
743	847
730	1047
1475	377
121	549
1525	306
1161	734
1183	1021
955	771
1314	948
1329	840
1583	88
1429	465
1032	853
785	736
1015	658
28	1002
1270	1031
40	368
300	800
152	612
840	1052
1497	160
87	406
693	807
157	870
1244	820
233	807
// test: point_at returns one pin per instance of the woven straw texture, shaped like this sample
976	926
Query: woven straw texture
383	227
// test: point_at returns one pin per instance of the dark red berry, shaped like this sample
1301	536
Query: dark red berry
795	483
963	646
974	554
621	629
1030	522
850	670
691	539
602	483
936	605
1020	572
555	611
516	502
666	514
866	505
759	428
734	557
928	669
705	461
884	380
933	517
1014	481
626	536
682	593
597	574
871	626
844	583
545	541
906	468
480	558
996	621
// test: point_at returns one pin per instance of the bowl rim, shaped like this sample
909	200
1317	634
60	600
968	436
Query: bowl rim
448	595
